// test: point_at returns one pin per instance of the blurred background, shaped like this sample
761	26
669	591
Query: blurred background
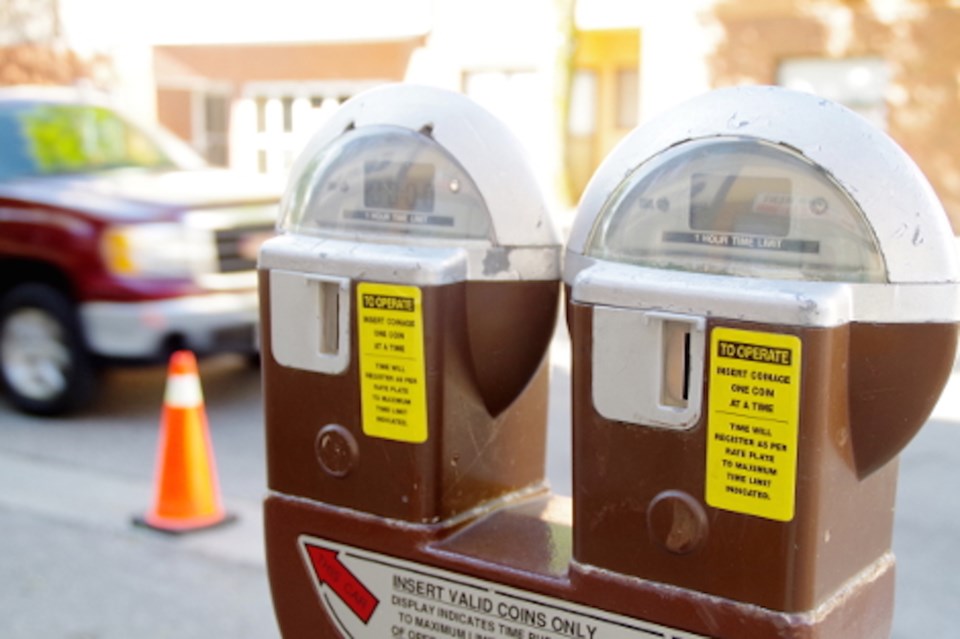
246	82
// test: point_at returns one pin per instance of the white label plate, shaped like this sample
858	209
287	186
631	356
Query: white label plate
367	594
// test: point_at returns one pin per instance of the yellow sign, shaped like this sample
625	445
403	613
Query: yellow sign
753	422
393	392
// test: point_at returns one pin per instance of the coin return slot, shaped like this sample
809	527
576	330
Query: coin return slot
310	321
648	366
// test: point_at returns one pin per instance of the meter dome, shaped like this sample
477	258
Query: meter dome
795	162
416	161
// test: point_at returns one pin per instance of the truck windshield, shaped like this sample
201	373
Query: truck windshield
50	139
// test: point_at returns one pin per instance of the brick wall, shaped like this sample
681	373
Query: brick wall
922	46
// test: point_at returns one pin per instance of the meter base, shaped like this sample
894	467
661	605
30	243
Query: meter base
527	546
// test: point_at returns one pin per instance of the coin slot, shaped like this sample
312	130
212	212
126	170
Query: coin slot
675	383
328	311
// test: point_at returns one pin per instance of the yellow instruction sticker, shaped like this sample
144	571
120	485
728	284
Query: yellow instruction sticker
393	393
753	422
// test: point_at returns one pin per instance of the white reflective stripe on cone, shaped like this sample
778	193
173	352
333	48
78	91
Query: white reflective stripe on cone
183	391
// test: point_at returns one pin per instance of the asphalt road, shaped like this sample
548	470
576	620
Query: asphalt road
73	567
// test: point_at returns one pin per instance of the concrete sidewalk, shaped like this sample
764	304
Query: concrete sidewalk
74	567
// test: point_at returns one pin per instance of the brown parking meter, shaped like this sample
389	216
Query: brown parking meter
763	306
407	306
763	309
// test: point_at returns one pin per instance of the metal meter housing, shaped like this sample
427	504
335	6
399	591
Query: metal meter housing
763	303
407	307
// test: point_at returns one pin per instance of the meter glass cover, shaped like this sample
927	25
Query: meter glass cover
385	180
737	206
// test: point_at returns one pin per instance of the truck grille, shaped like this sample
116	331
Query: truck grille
237	247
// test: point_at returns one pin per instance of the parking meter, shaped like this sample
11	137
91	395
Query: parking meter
407	305
763	307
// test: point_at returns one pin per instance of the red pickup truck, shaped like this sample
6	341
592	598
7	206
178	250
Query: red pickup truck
117	245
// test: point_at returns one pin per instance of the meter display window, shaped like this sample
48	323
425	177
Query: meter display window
399	186
747	204
737	206
385	180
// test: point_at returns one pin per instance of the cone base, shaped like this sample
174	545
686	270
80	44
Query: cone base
182	527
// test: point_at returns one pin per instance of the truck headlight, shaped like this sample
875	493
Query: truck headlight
160	250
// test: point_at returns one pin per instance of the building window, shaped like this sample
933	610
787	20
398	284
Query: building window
287	102
261	103
582	119
216	116
628	98
859	84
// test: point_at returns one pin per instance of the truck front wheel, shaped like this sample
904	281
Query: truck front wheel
44	366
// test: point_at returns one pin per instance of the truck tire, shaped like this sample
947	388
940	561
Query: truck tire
45	368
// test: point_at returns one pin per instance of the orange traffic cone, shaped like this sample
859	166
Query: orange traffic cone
187	493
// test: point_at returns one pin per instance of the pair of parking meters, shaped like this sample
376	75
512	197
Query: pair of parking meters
762	299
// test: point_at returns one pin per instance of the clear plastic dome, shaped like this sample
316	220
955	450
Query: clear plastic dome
384	180
737	206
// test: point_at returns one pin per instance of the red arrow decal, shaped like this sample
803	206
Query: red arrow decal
329	569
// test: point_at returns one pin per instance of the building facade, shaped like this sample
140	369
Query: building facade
571	77
896	62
